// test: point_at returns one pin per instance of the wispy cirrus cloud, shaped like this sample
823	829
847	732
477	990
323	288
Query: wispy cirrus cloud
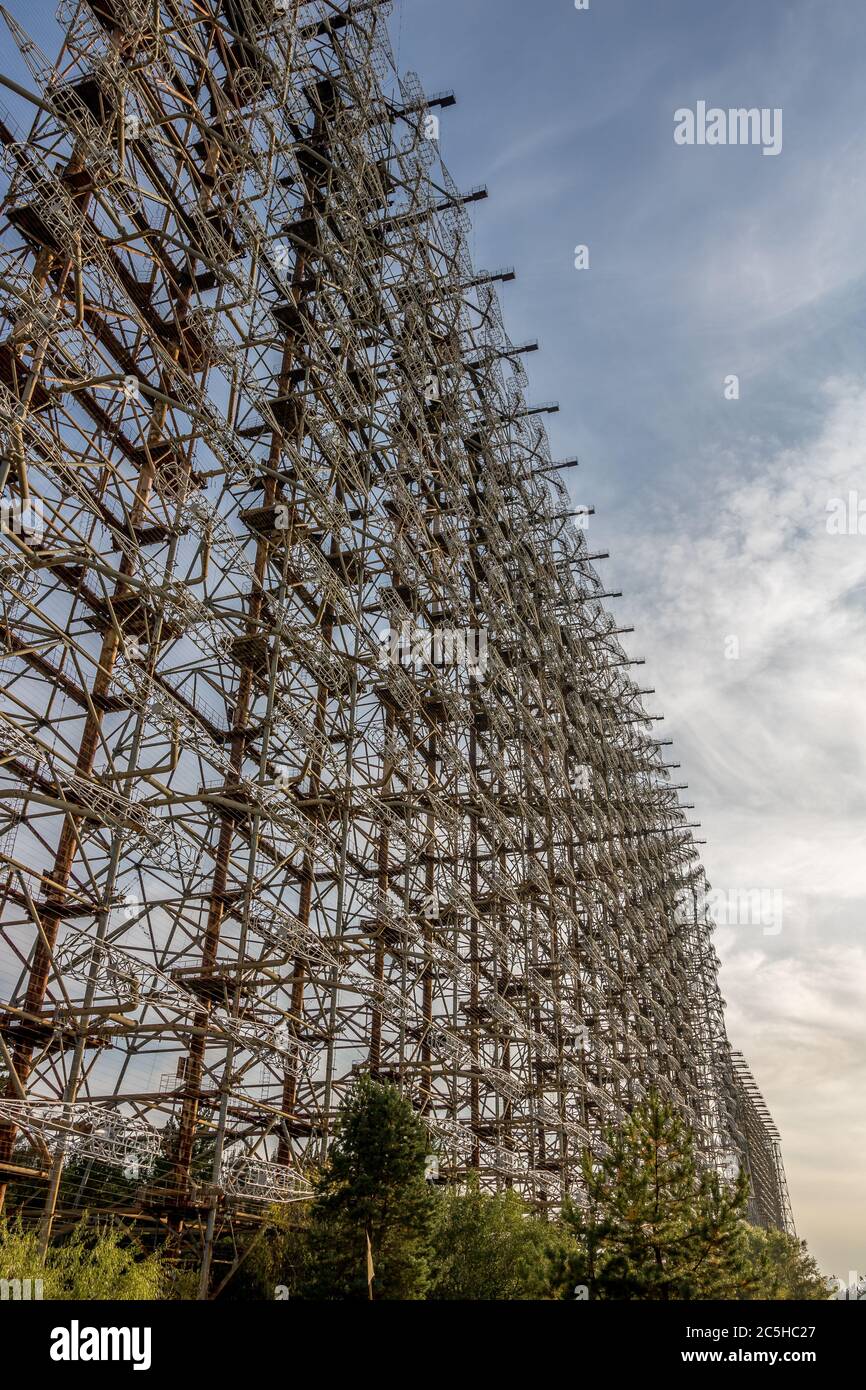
776	762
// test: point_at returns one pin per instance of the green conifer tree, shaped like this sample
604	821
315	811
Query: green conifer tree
655	1226
373	1189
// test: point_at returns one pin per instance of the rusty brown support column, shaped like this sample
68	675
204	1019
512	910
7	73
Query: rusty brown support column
430	887
382	883
305	903
475	959
51	909
217	904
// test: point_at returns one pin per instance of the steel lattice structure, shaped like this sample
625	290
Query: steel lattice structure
760	1141
320	751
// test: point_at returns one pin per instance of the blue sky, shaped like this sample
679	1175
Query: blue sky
706	262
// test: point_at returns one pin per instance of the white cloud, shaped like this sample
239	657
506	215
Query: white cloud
775	755
800	1022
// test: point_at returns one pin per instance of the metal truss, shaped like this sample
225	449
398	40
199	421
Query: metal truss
770	1202
319	751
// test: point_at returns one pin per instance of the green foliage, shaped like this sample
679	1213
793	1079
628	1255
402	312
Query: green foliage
182	1283
278	1256
783	1267
489	1246
19	1253
88	1184
372	1187
93	1264
654	1226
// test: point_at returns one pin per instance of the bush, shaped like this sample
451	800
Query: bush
92	1264
490	1246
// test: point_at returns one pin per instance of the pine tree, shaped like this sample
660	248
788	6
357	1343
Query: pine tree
655	1226
373	1189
